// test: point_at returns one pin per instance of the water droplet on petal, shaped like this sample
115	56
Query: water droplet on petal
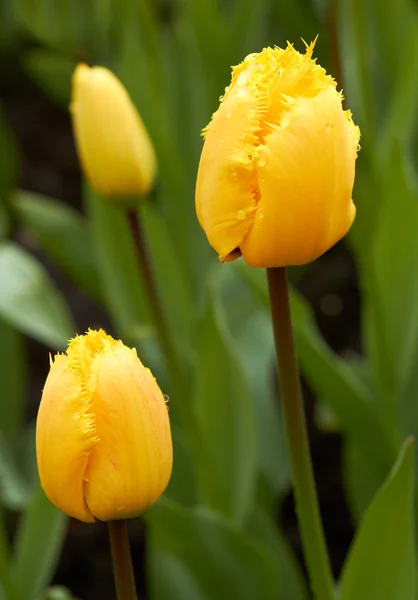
76	415
240	215
262	158
228	114
329	126
285	122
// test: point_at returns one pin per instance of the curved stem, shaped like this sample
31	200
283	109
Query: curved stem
307	507
121	558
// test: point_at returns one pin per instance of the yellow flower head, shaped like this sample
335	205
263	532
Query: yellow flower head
103	439
115	150
277	167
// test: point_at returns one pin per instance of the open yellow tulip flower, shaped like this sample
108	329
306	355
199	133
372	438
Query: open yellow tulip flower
115	150
277	167
103	438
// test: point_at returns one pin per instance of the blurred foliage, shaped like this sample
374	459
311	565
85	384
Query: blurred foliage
215	535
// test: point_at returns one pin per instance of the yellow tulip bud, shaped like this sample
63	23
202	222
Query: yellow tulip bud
115	150
103	439
277	167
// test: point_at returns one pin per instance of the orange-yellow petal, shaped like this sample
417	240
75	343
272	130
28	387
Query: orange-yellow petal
130	467
277	167
225	202
115	150
65	435
103	435
305	186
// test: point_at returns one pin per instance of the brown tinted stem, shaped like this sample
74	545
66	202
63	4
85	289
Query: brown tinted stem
307	506
121	558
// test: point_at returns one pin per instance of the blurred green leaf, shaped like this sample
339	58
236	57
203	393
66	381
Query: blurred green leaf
57	25
224	413
390	278
251	330
12	377
290	581
117	265
173	286
52	72
14	492
37	548
382	561
334	380
362	477
57	592
217	559
28	299
63	234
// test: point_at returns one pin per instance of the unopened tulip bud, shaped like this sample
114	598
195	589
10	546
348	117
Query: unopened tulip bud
115	150
277	167
103	439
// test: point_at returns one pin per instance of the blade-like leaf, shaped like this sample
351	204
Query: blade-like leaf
220	560
14	493
12	377
62	233
382	561
28	299
225	420
38	545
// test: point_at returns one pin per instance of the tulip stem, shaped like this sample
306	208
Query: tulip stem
307	506
121	558
172	364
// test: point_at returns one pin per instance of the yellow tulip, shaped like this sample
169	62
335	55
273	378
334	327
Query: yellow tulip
277	167
103	439
115	150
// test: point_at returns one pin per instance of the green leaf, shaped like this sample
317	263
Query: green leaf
382	561
172	285
14	493
28	299
225	420
38	544
63	234
216	558
12	377
117	264
390	277
290	580
52	72
326	372
252	333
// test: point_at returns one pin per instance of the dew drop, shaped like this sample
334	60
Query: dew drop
260	215
262	158
329	126
250	56
285	122
243	78
76	415
242	92
240	215
228	114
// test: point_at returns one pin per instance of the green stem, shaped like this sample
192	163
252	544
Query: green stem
121	558
169	352
307	506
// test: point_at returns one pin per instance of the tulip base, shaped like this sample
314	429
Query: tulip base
121	558
307	506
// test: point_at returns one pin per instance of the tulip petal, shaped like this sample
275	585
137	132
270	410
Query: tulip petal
225	202
65	434
305	187
115	150
131	465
